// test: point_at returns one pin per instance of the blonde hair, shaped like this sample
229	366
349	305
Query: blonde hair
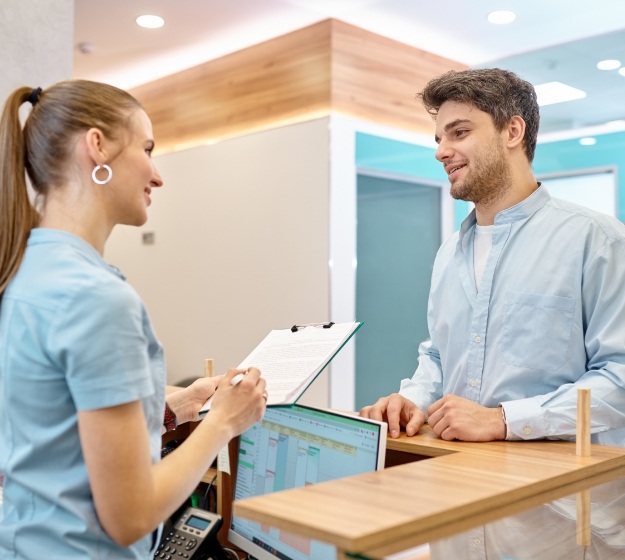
43	150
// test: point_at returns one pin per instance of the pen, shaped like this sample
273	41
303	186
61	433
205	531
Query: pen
237	379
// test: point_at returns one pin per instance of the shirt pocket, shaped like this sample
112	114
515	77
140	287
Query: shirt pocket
537	330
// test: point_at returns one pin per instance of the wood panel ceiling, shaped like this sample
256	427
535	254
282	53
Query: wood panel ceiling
327	68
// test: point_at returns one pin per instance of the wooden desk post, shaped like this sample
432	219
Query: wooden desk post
208	367
582	448
224	480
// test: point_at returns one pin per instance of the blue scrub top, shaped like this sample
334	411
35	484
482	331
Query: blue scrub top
73	336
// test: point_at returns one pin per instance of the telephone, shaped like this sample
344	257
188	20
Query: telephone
193	536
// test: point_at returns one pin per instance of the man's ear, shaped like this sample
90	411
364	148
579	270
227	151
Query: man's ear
95	145
516	131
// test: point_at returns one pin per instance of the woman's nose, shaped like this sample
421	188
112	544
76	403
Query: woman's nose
157	180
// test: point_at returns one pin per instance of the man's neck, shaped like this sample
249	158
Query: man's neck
520	190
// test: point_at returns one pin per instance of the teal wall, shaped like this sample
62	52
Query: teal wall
398	236
393	156
412	160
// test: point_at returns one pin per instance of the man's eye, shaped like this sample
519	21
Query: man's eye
461	131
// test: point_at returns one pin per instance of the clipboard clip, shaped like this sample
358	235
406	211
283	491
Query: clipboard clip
296	328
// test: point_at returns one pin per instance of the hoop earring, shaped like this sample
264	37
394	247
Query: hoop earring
96	169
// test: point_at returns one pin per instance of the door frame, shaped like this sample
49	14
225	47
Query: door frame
342	235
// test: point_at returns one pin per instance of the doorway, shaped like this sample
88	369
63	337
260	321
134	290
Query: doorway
398	235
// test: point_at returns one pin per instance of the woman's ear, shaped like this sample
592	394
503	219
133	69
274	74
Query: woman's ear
516	131
95	145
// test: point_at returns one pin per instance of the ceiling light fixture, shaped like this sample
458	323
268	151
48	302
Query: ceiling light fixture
588	141
609	64
85	47
501	17
621	71
151	22
557	92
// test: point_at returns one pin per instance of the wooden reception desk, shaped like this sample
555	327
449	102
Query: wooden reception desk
434	489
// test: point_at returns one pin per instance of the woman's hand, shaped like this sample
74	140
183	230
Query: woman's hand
186	403
242	405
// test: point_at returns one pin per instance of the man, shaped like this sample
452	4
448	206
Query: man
527	300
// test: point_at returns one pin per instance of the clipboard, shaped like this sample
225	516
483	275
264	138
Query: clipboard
291	359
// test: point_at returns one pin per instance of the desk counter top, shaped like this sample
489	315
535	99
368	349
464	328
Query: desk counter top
450	487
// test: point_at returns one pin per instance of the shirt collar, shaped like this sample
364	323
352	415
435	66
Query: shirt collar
46	235
525	208
521	211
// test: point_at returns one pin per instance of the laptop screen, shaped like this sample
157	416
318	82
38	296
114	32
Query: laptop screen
295	446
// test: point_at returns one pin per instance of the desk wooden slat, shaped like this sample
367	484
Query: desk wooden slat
462	485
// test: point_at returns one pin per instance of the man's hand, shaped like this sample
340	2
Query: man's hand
454	417
396	411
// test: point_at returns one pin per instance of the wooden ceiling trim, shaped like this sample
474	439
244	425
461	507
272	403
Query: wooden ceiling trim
328	67
376	79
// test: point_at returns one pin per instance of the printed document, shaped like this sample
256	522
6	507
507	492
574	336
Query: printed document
290	359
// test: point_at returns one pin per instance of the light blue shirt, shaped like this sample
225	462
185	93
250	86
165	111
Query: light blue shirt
73	336
548	318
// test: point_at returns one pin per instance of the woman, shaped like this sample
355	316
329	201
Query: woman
82	375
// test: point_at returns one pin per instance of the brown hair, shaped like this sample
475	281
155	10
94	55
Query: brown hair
500	93
43	149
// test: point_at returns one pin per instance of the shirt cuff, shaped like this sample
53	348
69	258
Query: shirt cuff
524	420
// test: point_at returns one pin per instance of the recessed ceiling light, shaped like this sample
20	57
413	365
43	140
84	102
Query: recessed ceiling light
557	92
588	141
151	22
610	64
501	17
85	47
621	71
618	123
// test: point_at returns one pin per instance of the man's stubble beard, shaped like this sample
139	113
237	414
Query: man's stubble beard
488	180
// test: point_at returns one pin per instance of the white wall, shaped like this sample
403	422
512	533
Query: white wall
253	234
596	189
36	45
241	247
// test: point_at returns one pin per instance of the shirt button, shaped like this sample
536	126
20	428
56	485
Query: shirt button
473	383
527	430
477	339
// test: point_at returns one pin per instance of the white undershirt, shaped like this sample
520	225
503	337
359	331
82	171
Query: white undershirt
482	242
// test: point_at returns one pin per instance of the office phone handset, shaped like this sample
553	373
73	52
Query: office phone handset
193	536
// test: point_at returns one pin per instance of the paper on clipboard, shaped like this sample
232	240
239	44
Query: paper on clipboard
290	359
